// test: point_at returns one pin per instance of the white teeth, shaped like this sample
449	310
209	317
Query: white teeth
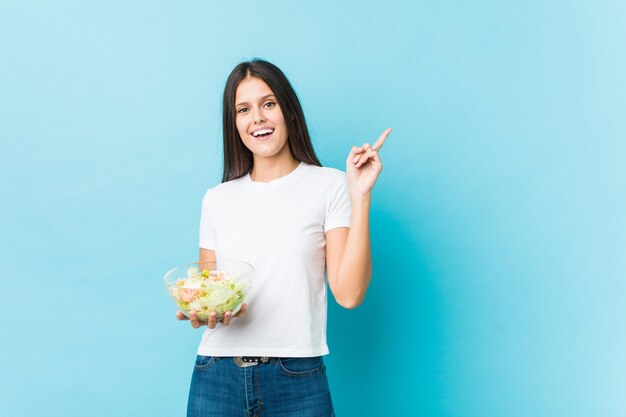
262	132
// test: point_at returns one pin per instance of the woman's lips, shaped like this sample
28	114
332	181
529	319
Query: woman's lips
263	138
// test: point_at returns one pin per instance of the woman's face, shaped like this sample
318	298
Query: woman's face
259	119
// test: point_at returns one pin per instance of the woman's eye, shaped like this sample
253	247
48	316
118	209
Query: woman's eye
270	104
242	110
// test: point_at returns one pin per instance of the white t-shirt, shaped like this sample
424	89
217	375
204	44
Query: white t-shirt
278	227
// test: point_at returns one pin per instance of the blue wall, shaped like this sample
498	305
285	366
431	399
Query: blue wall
498	223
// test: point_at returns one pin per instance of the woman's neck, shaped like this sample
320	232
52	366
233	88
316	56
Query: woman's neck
268	169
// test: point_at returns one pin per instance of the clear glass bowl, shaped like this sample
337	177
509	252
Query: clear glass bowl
221	285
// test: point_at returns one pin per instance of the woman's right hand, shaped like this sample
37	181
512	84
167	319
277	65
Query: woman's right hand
212	323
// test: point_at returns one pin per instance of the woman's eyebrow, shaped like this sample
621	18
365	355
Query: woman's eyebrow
261	99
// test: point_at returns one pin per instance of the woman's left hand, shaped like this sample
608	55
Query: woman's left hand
364	165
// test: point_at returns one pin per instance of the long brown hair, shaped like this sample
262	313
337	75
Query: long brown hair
238	159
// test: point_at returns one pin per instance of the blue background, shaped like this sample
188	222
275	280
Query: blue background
498	223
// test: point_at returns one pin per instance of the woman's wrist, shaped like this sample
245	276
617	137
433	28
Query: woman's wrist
360	198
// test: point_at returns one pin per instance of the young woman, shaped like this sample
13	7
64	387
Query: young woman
278	209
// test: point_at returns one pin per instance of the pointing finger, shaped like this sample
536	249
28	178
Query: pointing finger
381	139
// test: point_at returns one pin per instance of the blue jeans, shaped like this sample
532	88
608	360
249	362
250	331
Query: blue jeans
282	387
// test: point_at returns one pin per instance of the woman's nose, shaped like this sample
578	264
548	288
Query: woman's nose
258	116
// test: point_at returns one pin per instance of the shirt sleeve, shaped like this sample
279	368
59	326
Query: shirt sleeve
207	226
338	205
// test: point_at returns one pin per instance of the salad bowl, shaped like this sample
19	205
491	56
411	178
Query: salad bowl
221	285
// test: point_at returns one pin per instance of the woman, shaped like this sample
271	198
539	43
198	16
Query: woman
279	210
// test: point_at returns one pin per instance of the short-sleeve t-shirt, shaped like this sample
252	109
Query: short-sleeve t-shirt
278	227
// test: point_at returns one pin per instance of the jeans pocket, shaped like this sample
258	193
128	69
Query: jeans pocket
204	362
301	366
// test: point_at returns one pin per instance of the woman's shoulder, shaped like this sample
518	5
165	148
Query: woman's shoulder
224	187
328	173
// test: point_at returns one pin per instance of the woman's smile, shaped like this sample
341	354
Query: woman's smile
263	133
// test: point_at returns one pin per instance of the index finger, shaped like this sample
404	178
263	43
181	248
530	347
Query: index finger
381	140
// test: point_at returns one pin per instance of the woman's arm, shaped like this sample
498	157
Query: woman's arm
348	252
207	255
349	257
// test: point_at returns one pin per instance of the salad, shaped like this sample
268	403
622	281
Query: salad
208	291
